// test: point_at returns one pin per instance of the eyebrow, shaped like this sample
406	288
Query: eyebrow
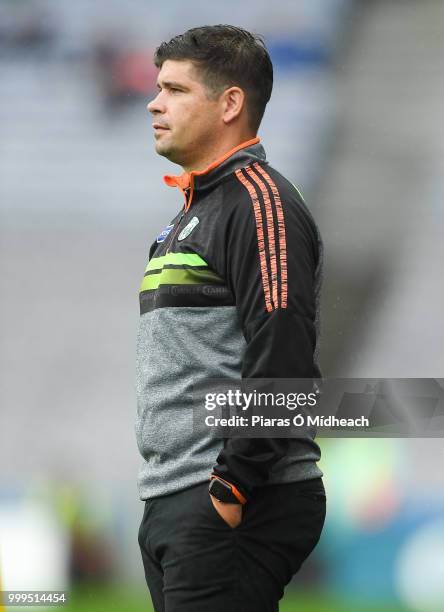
169	84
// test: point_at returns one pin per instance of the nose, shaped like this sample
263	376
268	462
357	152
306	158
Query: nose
155	105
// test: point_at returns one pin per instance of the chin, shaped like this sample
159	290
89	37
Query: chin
169	153
162	149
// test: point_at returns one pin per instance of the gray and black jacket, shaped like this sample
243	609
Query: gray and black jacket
231	290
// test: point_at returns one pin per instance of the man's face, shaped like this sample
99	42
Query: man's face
186	121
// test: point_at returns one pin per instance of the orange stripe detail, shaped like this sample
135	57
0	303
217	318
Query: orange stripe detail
216	163
270	228
260	237
235	491
186	179
281	231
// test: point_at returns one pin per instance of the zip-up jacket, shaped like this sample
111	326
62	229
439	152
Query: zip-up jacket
231	290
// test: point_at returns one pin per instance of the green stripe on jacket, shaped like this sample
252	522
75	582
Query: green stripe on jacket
188	259
180	276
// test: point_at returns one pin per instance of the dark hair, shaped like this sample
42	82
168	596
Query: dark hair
226	55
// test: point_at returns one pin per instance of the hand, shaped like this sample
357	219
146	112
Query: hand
231	513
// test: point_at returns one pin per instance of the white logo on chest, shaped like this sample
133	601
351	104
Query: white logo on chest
188	229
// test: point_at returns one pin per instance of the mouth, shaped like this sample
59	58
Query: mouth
159	128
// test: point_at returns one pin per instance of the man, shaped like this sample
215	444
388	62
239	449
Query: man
231	291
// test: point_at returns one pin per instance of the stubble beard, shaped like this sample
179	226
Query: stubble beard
164	149
172	154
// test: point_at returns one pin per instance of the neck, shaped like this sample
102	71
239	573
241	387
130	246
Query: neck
217	151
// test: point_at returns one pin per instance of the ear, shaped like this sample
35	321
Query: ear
233	102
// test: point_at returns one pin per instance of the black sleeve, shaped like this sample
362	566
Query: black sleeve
271	258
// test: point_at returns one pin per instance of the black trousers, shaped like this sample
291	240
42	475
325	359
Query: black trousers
195	562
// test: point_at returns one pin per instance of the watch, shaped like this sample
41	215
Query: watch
225	492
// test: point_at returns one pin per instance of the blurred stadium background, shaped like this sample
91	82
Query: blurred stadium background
356	122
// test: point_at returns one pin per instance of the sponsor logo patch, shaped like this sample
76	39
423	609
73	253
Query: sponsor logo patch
164	233
188	228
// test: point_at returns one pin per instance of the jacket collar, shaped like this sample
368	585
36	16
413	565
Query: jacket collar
238	157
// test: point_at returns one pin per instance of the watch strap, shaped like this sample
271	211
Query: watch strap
238	497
